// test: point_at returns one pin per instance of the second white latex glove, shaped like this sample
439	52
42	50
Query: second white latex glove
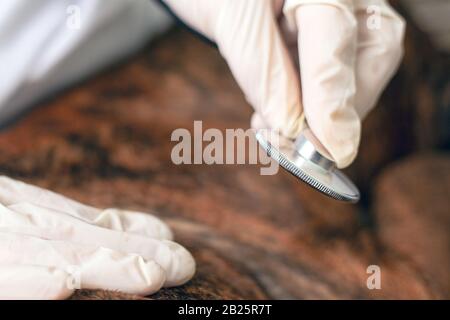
343	65
51	245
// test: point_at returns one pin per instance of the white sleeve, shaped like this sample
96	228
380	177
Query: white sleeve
46	45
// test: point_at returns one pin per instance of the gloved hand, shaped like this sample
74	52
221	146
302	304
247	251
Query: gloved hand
343	65
50	244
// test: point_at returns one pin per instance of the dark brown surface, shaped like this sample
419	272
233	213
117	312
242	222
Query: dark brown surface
107	143
416	193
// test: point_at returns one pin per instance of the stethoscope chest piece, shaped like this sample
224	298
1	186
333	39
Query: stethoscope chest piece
308	161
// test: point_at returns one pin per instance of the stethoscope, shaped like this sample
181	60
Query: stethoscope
308	161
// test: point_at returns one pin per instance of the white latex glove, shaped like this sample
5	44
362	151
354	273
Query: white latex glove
49	244
343	65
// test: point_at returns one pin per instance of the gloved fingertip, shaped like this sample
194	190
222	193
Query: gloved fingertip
346	161
257	122
182	265
343	148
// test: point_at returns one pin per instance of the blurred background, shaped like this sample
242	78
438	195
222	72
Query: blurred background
103	138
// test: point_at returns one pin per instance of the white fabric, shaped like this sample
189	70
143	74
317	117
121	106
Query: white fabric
51	245
343	65
40	52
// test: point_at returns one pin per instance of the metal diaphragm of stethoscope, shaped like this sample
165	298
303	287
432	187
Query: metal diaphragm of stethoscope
306	160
